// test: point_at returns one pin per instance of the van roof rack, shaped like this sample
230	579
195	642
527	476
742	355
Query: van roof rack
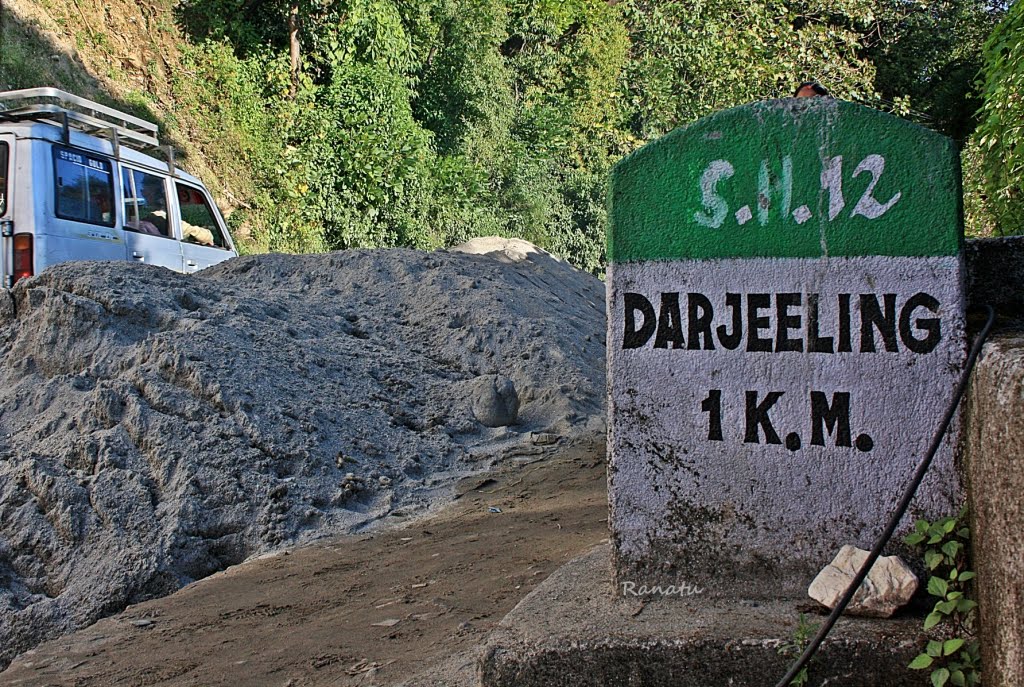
65	110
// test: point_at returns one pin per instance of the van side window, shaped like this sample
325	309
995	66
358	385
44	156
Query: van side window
4	154
145	203
85	189
198	223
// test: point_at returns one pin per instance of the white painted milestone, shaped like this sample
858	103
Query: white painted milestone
786	327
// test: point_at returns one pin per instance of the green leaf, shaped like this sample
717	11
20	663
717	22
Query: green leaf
950	646
913	539
967	575
934	648
946	607
932	559
957	678
940	677
921	662
951	548
937	586
932	620
966	605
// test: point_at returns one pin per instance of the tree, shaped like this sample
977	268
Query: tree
427	122
927	53
690	59
294	46
464	87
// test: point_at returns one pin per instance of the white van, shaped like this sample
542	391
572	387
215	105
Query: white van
75	185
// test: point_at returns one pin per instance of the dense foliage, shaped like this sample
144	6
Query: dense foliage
954	658
1001	132
928	55
427	122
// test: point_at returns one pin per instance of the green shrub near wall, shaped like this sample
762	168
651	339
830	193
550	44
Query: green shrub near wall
1001	131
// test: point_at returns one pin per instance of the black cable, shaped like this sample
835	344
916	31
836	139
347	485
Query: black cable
897	515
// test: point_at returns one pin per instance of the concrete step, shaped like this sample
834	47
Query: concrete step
574	631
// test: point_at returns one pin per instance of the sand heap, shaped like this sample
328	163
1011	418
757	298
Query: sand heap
156	428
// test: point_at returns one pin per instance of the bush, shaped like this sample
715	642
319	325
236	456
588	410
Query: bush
237	118
1001	131
358	165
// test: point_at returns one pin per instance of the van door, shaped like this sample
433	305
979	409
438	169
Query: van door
149	232
204	240
6	206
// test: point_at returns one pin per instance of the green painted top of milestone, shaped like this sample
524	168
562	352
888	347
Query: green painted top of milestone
792	178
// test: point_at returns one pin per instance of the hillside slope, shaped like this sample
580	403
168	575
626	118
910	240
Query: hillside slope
132	56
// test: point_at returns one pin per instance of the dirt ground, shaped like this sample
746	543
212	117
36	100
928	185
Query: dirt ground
405	605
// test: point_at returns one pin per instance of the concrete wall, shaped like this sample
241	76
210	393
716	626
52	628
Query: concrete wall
994	451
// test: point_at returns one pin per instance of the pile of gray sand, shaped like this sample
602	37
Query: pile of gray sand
156	427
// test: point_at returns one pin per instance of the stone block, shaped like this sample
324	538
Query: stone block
994	453
575	631
889	585
785	329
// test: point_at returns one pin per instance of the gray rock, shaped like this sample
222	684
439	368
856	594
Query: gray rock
495	401
889	585
544	438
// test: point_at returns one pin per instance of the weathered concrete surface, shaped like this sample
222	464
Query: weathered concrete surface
572	632
995	471
770	512
765	405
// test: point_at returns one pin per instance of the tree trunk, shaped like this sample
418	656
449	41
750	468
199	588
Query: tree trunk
293	44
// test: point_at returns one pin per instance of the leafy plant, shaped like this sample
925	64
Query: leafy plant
424	123
927	56
953	659
795	647
1001	133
